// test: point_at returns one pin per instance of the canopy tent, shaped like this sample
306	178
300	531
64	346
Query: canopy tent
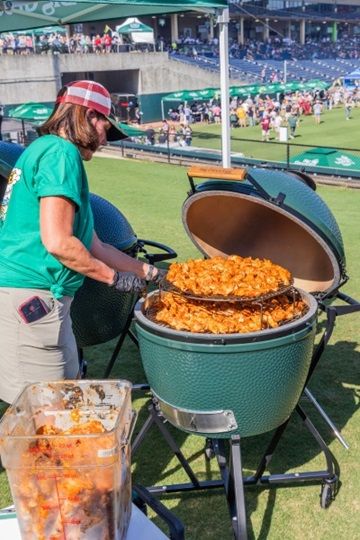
317	85
189	95
132	25
244	90
327	157
132	131
352	79
38	31
38	113
20	15
137	31
192	95
49	30
31	112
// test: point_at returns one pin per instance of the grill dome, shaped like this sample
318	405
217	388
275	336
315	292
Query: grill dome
300	233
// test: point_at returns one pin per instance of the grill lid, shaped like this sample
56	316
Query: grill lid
269	215
111	225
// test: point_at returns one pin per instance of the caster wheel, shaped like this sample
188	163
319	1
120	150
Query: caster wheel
327	494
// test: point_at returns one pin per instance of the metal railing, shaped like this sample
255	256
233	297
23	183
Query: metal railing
312	159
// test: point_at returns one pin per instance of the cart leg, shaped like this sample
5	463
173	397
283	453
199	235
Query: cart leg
154	418
234	486
142	434
330	485
325	417
331	464
118	347
133	338
268	454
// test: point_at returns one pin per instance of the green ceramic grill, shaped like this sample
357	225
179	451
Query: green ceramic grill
246	384
99	313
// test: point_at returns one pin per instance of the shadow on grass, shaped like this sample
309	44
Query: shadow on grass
204	513
206	136
331	385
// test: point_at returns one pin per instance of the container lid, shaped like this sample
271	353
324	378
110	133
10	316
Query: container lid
55	402
271	215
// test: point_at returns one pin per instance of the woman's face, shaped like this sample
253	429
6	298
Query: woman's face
101	124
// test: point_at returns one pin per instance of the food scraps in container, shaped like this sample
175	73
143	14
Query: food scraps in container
65	486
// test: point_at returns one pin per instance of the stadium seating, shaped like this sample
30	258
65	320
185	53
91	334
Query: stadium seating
250	70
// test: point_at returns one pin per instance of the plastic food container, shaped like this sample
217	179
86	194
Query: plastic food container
65	448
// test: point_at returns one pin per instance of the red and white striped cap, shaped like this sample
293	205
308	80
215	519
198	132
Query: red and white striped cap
94	96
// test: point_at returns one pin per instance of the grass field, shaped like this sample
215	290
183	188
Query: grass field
334	130
151	196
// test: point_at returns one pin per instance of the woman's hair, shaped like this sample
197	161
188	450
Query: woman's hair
71	122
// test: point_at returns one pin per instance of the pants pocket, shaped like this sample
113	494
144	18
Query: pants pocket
45	332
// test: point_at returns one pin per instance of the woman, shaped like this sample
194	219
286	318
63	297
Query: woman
48	243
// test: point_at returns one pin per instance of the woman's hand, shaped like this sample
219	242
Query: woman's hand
155	275
128	282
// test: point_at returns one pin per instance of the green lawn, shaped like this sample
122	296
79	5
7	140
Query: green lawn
151	196
334	130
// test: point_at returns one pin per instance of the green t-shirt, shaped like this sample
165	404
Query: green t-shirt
50	166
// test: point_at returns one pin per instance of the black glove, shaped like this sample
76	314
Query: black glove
128	282
155	275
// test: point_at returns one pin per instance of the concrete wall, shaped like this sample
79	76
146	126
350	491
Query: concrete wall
37	78
28	78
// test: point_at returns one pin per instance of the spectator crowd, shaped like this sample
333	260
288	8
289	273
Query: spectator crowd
275	48
60	43
269	112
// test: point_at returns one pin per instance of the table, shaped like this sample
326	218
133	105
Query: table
140	528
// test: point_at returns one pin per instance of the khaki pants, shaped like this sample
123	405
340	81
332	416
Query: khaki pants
43	350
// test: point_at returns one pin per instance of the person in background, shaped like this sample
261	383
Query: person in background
317	109
188	135
233	119
348	105
241	114
187	114
137	115
276	125
265	127
48	242
216	113
251	116
292	123
150	136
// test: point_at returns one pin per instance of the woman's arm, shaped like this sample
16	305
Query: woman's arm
56	228
116	259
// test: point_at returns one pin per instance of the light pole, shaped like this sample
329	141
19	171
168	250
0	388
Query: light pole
223	22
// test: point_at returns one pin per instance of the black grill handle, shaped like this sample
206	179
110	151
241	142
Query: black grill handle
331	313
156	257
352	307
